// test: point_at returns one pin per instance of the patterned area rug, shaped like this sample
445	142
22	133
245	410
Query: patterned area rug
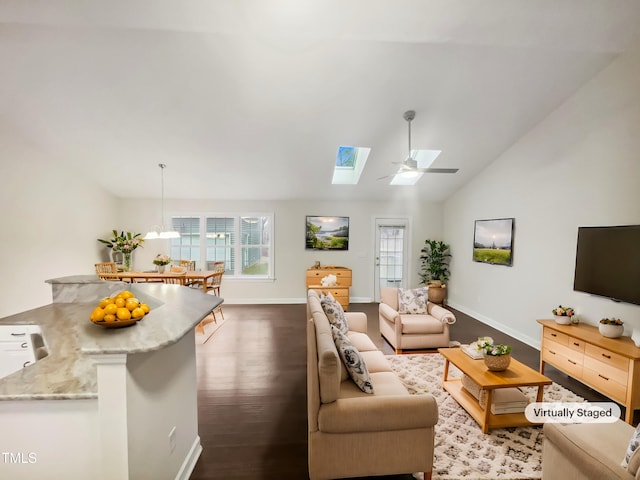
462	451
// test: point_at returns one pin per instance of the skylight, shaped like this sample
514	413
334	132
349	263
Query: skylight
350	162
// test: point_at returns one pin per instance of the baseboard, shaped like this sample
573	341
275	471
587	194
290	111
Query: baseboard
532	342
189	463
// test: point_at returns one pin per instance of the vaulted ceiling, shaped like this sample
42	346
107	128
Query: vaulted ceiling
251	99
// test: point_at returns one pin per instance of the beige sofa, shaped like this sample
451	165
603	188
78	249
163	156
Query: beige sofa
589	451
352	433
413	331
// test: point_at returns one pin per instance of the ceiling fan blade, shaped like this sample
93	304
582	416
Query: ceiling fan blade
439	170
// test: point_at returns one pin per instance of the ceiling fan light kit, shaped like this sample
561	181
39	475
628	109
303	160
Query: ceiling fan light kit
417	162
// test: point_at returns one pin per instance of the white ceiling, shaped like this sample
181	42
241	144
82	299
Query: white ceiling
251	99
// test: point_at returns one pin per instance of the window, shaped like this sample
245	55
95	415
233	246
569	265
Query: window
242	242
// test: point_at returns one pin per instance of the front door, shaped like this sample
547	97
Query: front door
390	254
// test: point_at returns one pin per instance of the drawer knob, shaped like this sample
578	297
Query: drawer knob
552	352
603	377
608	357
554	335
571	362
576	344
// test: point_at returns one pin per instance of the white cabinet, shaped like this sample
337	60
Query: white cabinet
16	348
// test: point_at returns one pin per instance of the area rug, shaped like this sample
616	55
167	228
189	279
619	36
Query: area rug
462	451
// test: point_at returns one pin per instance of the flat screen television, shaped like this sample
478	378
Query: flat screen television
608	262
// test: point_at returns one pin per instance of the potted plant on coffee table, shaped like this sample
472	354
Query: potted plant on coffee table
497	357
435	259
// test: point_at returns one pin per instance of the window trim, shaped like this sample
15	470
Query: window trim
237	245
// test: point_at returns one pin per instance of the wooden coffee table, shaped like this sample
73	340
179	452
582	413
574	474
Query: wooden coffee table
517	375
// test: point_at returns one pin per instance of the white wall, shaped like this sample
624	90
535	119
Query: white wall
51	218
580	166
291	258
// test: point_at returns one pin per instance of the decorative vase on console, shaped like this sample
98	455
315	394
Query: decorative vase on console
161	261
562	315
126	261
611	327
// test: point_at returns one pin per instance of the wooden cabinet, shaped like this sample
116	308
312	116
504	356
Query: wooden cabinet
608	365
340	292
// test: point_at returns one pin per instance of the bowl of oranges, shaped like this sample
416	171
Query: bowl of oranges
120	310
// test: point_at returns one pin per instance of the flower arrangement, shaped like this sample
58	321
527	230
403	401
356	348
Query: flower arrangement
563	311
611	321
486	345
162	260
125	242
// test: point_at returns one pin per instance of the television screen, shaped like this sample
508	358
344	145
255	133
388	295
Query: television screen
608	262
493	241
327	233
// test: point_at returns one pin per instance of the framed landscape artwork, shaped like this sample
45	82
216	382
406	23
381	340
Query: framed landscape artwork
327	233
493	241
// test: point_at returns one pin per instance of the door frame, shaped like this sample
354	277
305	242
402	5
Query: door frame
390	221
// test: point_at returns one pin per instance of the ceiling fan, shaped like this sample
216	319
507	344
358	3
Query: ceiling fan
410	165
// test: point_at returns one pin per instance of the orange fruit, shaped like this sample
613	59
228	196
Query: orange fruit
105	301
132	303
126	294
145	308
109	318
97	315
137	313
110	309
123	314
120	302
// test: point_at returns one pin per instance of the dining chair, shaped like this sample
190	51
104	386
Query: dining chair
190	265
106	271
214	286
177	280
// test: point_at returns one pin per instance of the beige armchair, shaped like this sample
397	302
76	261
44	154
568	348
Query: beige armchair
406	331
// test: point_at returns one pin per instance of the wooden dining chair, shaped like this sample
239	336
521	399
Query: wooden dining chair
190	265
177	280
107	271
214	286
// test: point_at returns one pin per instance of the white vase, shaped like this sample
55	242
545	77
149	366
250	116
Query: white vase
160	268
635	336
562	319
611	331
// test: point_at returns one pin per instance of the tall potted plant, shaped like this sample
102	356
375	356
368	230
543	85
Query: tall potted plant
434	260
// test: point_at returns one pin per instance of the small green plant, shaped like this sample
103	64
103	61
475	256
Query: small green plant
434	260
611	321
486	345
563	311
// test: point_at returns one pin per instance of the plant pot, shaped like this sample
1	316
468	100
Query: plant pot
611	331
497	363
562	319
436	294
160	268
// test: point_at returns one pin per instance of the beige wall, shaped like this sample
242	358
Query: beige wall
580	166
50	220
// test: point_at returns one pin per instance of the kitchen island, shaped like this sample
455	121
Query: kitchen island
105	403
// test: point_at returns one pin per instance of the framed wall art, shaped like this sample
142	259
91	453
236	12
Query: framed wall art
493	241
327	233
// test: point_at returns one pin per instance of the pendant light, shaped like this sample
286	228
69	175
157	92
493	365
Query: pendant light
158	231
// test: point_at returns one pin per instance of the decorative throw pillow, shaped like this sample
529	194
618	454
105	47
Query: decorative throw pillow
412	300
634	442
634	463
334	312
352	360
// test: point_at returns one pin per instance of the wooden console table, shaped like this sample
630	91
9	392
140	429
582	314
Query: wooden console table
609	365
340	292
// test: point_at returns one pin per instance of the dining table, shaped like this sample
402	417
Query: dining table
191	276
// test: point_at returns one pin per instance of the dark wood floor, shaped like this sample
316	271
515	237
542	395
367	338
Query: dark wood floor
252	389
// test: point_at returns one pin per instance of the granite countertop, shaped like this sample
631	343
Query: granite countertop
69	372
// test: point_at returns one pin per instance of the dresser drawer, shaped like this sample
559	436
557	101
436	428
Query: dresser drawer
556	336
607	356
576	344
341	294
343	276
606	370
605	385
563	358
